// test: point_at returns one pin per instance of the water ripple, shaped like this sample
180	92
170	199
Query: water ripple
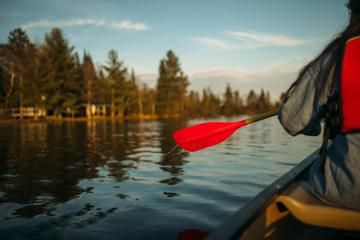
105	179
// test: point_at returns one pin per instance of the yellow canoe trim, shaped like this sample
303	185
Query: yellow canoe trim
308	209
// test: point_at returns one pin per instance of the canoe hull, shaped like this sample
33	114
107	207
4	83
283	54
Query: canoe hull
282	211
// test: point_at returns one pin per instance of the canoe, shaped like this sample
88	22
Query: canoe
287	210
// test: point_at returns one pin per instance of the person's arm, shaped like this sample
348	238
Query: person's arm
300	113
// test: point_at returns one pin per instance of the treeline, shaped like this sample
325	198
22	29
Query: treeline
52	76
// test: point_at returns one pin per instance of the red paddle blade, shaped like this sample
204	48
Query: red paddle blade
205	135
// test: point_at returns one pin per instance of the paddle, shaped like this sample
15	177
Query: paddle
208	134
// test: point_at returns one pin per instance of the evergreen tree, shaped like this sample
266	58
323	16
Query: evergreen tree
228	107
193	104
261	105
214	104
116	78
133	101
205	102
2	84
5	81
251	101
32	95
211	104
7	74
103	91
20	56
89	83
171	87
268	100
135	96
148	100
163	87
60	75
264	102
238	103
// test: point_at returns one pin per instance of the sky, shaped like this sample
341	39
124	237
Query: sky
249	44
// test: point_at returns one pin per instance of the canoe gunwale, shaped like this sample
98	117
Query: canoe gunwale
234	226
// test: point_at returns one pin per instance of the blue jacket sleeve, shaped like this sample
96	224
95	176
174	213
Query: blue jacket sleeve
300	113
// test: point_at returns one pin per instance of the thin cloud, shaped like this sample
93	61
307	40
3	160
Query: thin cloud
216	43
119	25
221	74
130	25
272	79
256	39
249	40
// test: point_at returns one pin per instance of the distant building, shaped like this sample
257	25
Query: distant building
94	110
27	112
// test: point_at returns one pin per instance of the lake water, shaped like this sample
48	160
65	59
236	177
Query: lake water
113	180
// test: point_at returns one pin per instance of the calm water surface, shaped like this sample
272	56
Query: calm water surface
113	180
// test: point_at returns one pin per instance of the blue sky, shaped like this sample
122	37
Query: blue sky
247	43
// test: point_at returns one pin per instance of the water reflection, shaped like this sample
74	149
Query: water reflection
40	168
42	164
120	177
171	161
88	215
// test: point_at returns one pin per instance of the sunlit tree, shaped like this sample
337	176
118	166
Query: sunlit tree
90	85
228	106
171	87
20	62
60	74
116	75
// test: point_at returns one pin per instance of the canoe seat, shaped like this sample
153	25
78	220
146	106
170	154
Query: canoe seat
308	209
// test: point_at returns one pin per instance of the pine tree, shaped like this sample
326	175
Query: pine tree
238	103
261	105
148	100
32	94
228	105
19	53
135	96
210	104
131	96
268	101
89	83
103	91
6	82
163	87
193	104
171	87
60	75
116	78
3	83
214	105
7	71
251	101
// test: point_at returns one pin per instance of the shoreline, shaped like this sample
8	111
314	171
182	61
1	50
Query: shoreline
145	118
83	119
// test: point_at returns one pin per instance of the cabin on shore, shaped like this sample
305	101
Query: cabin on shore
94	110
27	112
88	111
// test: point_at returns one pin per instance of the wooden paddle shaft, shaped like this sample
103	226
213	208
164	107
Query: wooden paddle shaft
262	116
